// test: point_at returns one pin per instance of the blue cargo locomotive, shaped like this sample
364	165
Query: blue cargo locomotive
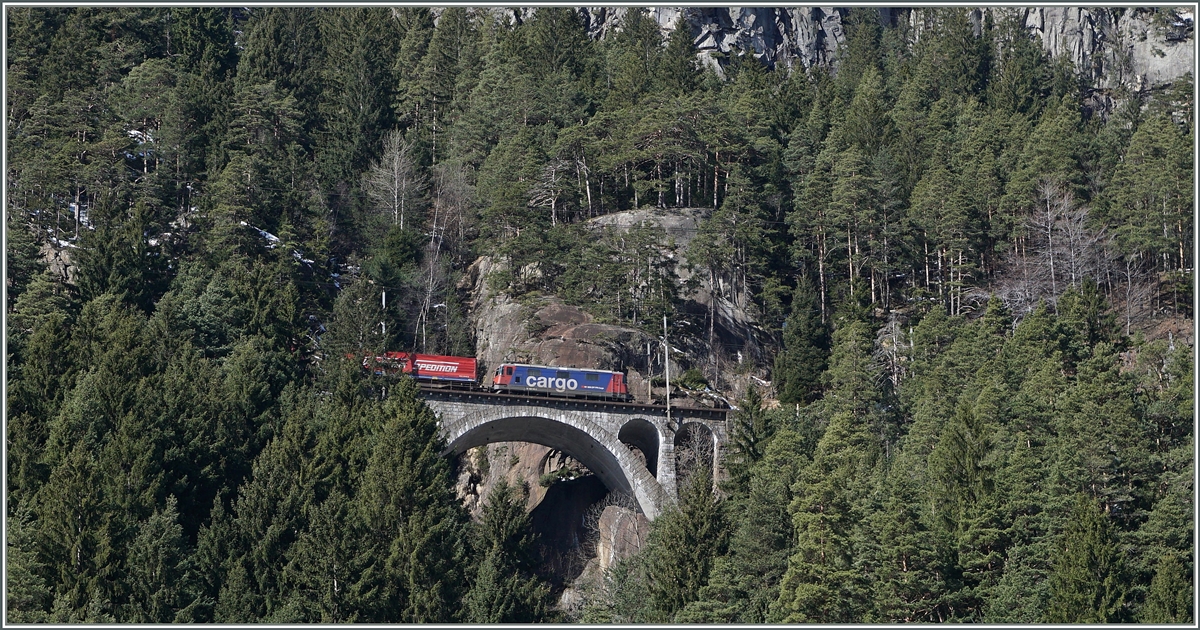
521	378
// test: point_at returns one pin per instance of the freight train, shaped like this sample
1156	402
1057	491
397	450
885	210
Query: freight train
450	371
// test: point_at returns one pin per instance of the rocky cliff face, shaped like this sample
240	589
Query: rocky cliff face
1135	47
544	330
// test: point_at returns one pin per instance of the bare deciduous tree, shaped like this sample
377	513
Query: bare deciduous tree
1137	290
549	187
693	449
891	345
1061	252
453	197
393	184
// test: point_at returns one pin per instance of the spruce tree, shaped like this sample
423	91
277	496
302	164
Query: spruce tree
416	548
683	544
27	595
505	589
798	367
910	582
750	434
744	584
677	68
1170	596
1088	583
159	564
322	578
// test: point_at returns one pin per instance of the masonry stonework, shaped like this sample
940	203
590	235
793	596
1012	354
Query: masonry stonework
589	431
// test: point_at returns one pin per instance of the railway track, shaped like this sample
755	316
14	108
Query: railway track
448	393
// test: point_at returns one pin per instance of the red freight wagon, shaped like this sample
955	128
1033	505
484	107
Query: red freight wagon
429	367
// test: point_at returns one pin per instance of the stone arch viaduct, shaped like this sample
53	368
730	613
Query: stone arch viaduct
599	434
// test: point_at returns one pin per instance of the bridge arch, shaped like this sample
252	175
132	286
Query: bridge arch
572	432
642	434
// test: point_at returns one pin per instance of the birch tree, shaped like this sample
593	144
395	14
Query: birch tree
394	184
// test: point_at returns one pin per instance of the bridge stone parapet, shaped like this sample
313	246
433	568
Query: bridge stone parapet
599	434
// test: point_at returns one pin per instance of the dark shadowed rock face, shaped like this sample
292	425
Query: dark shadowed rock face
559	523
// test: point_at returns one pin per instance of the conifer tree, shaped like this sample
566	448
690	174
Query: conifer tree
1088	583
744	584
282	46
866	125
70	522
683	545
750	434
356	106
161	576
853	212
1150	197
505	589
1170	597
677	69
634	55
911	584
27	595
1050	154
1015	82
850	377
798	367
324	566
823	583
416	547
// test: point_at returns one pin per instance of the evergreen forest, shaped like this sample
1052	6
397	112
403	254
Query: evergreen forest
970	270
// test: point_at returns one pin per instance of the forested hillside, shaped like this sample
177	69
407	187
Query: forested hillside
977	285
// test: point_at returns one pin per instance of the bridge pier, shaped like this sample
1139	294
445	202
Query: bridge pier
666	466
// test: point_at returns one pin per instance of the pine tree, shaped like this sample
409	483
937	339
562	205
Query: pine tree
21	261
866	125
961	484
965	57
1150	198
70	517
281	46
357	104
1051	154
854	215
860	54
